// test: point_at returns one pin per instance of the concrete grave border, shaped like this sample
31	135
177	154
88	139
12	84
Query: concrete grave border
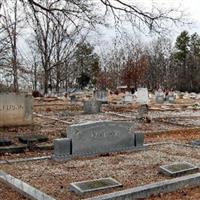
23	188
153	188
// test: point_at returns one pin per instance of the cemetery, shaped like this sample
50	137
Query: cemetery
109	152
99	100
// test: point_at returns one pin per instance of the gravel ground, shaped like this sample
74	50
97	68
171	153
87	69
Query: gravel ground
131	169
6	193
186	194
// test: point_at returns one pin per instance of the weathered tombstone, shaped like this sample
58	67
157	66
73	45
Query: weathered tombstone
142	96
160	97
101	95
15	109
128	98
62	148
101	137
94	185
172	98
143	111
92	107
72	98
178	169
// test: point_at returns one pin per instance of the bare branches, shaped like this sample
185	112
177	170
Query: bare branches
120	10
156	19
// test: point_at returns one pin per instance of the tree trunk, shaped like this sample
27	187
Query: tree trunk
46	81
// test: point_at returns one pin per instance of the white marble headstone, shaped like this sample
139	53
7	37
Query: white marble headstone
142	96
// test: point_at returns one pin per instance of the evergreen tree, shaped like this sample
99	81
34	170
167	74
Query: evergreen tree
87	64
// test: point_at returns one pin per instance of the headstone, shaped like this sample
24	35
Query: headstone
178	169
172	98
92	107
128	98
62	148
72	98
101	137
142	96
102	96
15	109
160	97
143	111
94	185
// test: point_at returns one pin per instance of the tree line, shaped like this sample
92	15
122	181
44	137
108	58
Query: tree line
156	64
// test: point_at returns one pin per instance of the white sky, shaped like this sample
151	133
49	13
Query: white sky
191	8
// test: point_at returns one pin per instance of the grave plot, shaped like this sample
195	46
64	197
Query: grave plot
130	169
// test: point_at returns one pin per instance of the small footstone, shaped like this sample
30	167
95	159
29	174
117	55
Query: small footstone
5	142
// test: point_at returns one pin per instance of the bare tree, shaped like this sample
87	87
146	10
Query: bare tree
10	21
55	39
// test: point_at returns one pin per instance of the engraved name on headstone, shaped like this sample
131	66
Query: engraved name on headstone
101	137
15	109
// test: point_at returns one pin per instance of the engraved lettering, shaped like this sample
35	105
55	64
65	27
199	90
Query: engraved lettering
11	107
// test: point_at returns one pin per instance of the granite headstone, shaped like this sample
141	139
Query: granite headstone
101	137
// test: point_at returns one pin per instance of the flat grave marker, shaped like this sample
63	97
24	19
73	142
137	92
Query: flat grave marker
178	169
5	142
94	185
196	142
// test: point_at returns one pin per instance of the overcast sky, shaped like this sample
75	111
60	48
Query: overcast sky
191	8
